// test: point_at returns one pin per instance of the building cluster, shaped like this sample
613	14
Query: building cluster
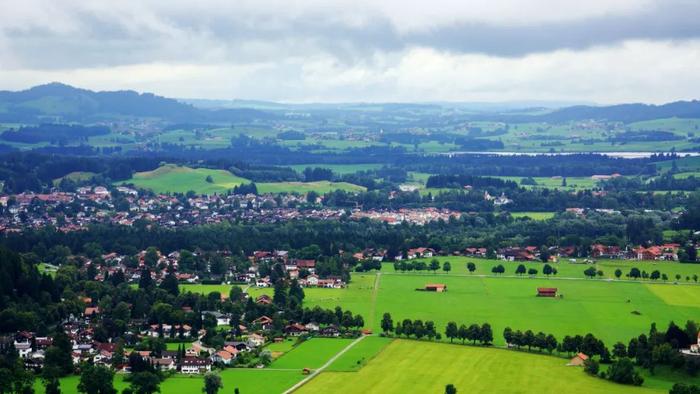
192	355
665	252
303	270
71	211
414	216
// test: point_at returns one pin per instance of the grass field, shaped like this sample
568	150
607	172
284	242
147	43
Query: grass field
47	268
572	183
423	367
340	169
75	176
685	164
360	354
566	268
320	187
586	306
312	353
246	380
280	348
533	215
511	302
357	296
175	179
206	289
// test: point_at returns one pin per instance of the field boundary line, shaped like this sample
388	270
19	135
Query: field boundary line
324	366
607	280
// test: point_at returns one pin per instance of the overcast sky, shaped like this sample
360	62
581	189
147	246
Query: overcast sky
604	51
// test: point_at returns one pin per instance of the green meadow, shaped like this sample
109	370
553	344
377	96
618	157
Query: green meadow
533	215
76	176
586	305
572	183
387	365
359	355
565	267
312	353
341	169
424	367
206	289
685	164
178	179
320	187
357	296
171	178
247	380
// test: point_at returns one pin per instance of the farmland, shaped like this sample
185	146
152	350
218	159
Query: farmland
206	289
305	187
533	215
176	179
511	301
359	355
310	354
410	366
246	380
179	179
76	176
338	168
570	183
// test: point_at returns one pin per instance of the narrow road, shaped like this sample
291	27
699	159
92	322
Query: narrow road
324	366
373	304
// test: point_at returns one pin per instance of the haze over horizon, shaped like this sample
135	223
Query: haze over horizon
361	51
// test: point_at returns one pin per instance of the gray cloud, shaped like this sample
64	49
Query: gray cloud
100	38
359	50
669	21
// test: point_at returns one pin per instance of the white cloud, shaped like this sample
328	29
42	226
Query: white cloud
357	50
633	71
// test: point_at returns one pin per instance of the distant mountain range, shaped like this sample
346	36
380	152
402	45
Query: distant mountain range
60	102
56	102
626	112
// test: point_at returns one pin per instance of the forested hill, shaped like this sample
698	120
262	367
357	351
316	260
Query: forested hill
59	102
626	112
56	100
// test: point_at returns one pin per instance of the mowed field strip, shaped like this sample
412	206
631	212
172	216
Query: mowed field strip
423	367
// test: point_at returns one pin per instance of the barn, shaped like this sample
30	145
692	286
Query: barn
438	287
546	291
578	360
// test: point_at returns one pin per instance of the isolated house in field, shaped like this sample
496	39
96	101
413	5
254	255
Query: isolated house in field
546	291
578	360
437	287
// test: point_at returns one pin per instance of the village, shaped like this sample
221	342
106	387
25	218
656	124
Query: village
178	343
120	205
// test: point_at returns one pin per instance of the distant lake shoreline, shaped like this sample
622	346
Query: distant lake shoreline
622	155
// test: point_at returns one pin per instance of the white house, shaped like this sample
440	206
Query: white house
191	365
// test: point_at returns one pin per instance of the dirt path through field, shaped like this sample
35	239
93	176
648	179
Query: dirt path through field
324	366
373	304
